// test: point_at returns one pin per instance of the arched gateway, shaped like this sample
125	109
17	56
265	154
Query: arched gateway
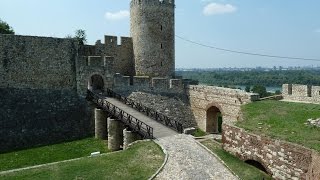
96	83
214	120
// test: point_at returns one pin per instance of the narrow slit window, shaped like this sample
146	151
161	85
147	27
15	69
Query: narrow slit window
161	46
161	27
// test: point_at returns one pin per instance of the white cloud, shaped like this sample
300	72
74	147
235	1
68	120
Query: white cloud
215	8
115	16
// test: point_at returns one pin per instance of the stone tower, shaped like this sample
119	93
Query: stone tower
152	32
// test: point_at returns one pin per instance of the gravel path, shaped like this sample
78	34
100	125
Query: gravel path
188	160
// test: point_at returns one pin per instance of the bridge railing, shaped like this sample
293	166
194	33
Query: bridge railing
138	126
161	118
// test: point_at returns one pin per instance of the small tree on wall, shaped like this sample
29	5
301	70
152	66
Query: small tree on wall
81	36
5	28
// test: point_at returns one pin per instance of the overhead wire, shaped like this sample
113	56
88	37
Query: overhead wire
247	53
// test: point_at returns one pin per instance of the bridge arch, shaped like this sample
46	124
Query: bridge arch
257	164
214	118
96	82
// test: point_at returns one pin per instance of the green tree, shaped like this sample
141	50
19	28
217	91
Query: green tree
261	90
5	28
278	92
247	89
81	36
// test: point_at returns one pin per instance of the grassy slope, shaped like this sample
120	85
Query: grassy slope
138	162
52	153
283	120
243	170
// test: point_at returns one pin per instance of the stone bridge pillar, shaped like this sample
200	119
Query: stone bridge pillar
115	134
100	117
129	137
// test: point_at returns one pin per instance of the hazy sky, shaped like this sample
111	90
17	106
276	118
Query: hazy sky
276	27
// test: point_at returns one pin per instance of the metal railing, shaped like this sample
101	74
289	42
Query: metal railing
138	126
173	124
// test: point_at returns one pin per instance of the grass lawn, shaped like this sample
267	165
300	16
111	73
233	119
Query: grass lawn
199	133
139	162
283	120
52	153
243	170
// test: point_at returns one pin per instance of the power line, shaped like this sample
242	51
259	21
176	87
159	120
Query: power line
247	53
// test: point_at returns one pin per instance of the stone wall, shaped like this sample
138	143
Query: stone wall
174	107
302	93
88	66
37	62
41	79
30	117
122	53
228	101
283	160
148	84
152	31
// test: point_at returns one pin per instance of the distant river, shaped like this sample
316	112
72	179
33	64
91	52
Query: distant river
269	88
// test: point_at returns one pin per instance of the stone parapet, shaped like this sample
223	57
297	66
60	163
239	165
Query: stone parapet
147	84
302	93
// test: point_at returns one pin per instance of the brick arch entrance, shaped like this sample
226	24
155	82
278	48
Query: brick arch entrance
214	120
96	83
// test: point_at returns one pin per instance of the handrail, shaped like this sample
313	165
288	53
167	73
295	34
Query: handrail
161	118
140	127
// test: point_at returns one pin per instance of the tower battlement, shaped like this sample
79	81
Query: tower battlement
152	3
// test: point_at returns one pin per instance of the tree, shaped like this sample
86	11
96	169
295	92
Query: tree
5	28
247	89
81	36
261	90
278	92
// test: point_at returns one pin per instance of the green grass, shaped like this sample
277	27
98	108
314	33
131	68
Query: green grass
199	133
52	153
283	120
138	162
243	170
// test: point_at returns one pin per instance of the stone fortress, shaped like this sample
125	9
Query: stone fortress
44	81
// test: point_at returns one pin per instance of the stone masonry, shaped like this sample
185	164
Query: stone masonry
283	160
152	31
228	101
301	93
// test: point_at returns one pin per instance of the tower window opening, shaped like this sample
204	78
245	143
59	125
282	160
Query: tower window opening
161	46
161	63
161	27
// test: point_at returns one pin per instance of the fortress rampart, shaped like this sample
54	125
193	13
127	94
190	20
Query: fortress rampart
43	83
37	62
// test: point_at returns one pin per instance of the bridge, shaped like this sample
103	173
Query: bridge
145	121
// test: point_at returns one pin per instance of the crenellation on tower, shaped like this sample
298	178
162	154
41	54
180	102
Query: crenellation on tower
151	2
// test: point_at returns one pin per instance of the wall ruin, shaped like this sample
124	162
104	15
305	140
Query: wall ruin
301	93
